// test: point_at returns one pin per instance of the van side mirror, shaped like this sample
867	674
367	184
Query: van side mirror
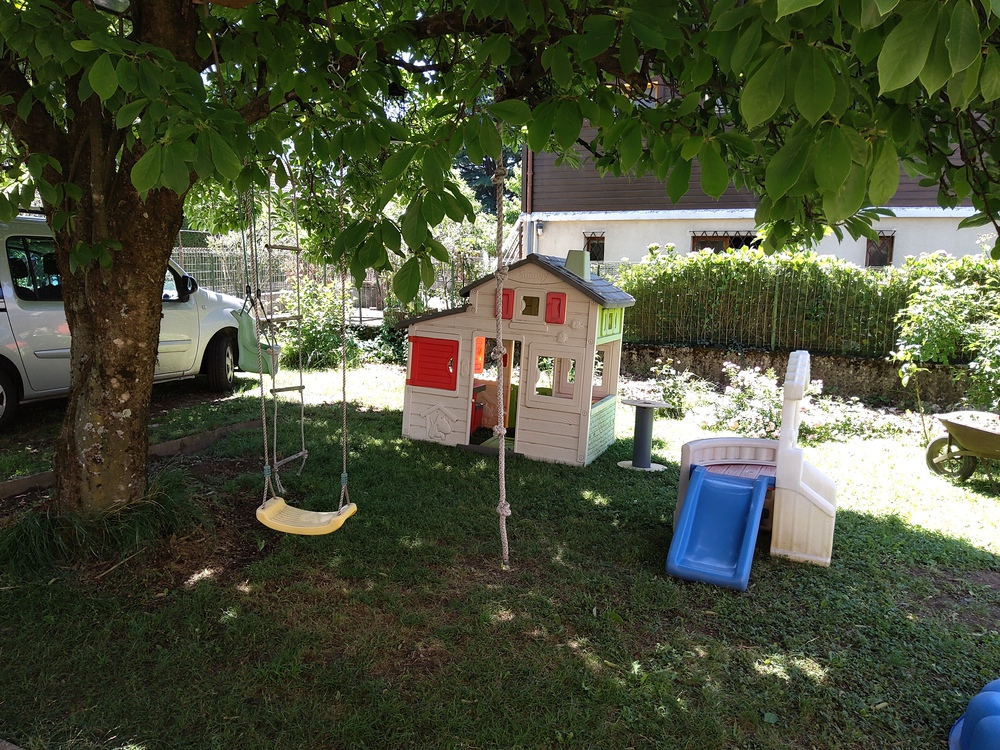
188	286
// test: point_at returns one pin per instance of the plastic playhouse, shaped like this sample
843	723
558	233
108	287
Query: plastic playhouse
732	487
979	727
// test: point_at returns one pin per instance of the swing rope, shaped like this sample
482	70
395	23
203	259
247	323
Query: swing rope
500	429
345	497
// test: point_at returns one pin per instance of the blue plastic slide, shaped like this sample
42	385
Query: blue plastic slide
717	529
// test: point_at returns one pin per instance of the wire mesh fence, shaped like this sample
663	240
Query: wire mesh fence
743	301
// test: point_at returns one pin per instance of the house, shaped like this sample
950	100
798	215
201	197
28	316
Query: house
617	218
563	338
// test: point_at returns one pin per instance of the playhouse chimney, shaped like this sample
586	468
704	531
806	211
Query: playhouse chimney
578	263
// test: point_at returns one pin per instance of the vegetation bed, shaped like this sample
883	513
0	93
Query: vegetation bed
402	630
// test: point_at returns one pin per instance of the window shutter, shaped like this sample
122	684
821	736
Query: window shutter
555	307
507	308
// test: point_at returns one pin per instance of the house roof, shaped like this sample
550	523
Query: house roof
430	316
602	291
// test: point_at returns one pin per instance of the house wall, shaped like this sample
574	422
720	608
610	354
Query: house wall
628	234
635	212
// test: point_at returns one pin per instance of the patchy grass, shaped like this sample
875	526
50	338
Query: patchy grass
401	629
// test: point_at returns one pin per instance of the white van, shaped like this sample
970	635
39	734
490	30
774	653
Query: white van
197	330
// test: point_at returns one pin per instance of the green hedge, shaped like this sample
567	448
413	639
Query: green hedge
746	299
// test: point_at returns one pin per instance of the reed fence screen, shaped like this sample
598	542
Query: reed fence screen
747	300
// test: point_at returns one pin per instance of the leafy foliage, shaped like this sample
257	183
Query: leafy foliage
953	315
319	332
680	390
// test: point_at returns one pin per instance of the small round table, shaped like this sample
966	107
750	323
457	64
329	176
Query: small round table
642	439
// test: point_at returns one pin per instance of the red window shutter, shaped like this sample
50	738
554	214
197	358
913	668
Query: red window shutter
555	307
507	308
433	363
479	360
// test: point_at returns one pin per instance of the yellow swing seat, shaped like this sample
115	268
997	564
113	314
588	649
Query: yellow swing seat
277	515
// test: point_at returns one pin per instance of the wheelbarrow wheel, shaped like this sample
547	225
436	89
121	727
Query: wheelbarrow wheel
957	467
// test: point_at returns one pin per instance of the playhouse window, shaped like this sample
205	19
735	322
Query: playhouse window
433	363
606	363
555	376
530	306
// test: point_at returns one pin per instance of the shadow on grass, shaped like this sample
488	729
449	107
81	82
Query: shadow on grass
402	630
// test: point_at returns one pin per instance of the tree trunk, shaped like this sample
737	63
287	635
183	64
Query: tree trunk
114	315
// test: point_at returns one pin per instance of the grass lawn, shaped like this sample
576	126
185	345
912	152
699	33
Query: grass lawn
401	629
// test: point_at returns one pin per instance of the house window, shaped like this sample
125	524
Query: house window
879	252
555	376
720	242
433	363
593	243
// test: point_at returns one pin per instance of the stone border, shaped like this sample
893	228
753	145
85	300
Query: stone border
178	447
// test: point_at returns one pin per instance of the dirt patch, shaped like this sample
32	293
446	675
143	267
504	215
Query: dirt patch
969	598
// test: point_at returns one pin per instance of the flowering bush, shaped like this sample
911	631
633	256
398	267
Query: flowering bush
667	385
751	407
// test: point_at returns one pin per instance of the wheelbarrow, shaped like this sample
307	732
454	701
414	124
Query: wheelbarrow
972	435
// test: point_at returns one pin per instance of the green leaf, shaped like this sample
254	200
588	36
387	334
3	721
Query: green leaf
844	203
784	169
433	209
679	180
885	174
628	54
764	91
937	69
490	139
512	111
406	281
128	75
963	85
432	172
568	123
989	79
905	51
427	274
540	128
413	225
833	161
103	78
517	14
691	147
128	114
814	86
396	164
598	35
223	156
964	41
746	47
885	7
561	65
714	174
83	45
793	6
146	172
176	174
390	235
976	220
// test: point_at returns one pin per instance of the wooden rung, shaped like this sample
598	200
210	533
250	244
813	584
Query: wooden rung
283	319
287	389
291	248
293	457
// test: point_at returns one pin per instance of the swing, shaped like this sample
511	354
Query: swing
274	512
249	342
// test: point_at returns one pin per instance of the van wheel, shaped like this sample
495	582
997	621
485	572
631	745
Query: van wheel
8	399
220	362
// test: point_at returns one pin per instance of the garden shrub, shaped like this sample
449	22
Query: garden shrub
680	390
953	316
752	401
320	327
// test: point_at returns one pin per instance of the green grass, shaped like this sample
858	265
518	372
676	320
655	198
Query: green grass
401	629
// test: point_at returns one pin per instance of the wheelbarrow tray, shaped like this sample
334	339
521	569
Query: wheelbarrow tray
975	432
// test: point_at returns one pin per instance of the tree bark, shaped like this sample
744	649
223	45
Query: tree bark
101	451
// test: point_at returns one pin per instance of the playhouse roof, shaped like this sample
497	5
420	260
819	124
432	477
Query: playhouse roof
602	291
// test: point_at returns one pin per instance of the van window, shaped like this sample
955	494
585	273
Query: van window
32	263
